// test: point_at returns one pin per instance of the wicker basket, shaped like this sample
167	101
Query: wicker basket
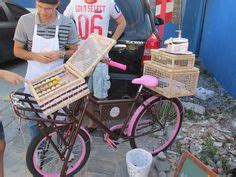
66	84
173	82
89	54
172	60
115	111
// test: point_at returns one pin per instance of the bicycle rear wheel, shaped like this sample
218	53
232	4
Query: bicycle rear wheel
43	160
156	123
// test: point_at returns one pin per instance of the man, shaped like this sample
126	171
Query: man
92	16
13	79
42	38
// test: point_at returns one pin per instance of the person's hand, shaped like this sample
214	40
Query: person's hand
42	57
12	78
56	55
48	57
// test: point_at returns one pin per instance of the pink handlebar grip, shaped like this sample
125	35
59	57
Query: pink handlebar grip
117	65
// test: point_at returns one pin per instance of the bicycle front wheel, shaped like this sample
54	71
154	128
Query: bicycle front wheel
156	123
43	160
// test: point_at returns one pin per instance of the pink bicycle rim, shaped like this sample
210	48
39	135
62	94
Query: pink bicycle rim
75	166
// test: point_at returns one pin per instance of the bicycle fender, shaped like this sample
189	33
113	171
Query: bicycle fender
85	131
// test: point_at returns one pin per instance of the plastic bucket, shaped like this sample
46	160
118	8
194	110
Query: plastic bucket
138	162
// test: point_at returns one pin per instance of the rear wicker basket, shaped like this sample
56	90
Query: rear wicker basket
66	84
170	60
173	82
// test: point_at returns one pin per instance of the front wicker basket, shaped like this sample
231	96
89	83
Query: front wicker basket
66	84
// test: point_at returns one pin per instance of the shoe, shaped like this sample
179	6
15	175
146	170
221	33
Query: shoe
91	129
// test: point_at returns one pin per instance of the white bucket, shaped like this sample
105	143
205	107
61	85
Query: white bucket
138	162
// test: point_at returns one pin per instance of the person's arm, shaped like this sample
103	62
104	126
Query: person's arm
11	77
72	43
71	50
116	13
71	46
20	52
64	54
120	27
20	40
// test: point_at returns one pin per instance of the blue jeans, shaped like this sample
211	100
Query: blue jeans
99	82
33	129
33	125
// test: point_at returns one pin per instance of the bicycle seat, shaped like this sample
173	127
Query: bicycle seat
146	80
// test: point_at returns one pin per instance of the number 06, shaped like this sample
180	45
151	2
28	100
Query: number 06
89	25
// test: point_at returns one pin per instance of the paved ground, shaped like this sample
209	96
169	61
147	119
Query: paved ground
103	161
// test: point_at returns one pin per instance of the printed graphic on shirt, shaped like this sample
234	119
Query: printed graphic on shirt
117	9
94	18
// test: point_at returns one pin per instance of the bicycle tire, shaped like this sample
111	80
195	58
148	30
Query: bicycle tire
82	141
142	123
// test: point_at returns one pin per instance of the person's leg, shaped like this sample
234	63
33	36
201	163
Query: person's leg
100	86
2	148
101	81
91	125
33	126
33	129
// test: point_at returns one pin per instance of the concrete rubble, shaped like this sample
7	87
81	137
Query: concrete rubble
203	93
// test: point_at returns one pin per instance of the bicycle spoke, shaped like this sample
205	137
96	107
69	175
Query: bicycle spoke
158	124
49	161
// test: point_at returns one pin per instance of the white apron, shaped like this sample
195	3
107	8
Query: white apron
39	45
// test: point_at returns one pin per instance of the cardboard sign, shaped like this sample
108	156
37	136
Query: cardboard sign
190	166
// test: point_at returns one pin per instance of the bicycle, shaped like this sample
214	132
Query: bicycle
63	146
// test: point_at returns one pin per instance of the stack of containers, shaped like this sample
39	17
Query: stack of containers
176	73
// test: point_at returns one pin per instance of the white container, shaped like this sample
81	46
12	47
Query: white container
138	162
177	45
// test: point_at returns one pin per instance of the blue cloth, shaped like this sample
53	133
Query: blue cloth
99	82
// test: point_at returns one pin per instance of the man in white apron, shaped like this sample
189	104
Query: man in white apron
42	38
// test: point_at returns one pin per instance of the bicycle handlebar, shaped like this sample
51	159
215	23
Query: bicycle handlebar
117	65
109	62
